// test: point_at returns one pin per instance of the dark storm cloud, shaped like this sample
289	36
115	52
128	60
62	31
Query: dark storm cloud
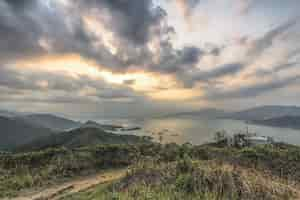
20	5
133	22
254	90
173	61
137	22
22	29
216	51
131	19
191	55
19	33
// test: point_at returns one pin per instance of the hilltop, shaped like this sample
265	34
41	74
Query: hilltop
158	171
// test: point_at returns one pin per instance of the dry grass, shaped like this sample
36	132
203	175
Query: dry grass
207	180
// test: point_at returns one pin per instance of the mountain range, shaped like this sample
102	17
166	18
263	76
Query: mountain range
79	138
202	113
19	129
265	112
282	122
256	113
14	133
49	121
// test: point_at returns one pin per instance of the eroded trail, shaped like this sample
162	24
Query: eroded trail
73	186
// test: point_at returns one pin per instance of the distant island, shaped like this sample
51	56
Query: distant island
265	112
282	122
276	116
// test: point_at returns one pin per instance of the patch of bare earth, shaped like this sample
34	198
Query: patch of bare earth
70	187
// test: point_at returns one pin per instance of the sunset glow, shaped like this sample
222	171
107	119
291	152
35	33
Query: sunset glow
149	53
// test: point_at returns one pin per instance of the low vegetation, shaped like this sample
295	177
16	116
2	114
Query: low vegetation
157	171
188	179
37	169
79	138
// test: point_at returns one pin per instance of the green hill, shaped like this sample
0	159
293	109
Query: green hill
80	137
14	132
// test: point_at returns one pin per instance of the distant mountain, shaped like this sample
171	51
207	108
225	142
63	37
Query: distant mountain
14	132
265	112
79	138
5	113
283	122
204	113
49	121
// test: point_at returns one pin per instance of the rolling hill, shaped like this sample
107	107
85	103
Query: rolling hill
49	121
81	137
15	132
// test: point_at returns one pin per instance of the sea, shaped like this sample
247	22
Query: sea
198	130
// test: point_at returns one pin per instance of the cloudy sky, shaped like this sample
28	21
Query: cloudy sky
113	58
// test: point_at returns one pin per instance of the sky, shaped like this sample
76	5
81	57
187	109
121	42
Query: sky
139	58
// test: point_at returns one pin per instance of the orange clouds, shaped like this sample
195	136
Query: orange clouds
69	64
74	65
174	94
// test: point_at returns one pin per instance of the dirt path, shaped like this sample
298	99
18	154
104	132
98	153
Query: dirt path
73	186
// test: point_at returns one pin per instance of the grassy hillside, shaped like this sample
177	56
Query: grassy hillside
161	171
79	138
15	132
190	180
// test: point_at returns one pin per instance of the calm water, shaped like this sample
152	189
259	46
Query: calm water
198	130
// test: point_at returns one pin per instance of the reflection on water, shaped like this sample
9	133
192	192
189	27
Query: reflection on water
199	131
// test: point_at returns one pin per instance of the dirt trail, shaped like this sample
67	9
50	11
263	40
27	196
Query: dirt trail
73	186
